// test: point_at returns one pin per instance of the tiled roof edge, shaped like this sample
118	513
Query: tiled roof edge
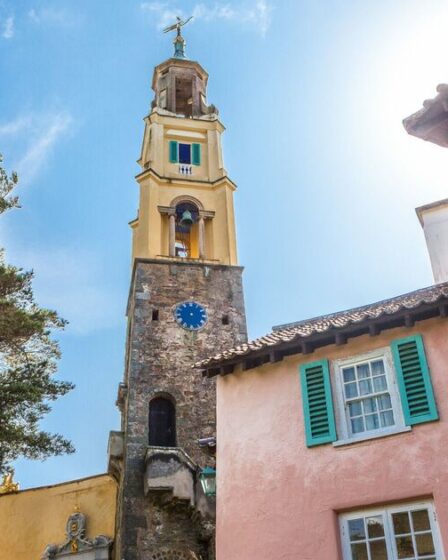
304	329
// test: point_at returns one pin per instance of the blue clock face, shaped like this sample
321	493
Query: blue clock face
190	315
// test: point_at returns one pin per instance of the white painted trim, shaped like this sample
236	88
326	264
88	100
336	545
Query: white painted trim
366	436
186	134
342	420
386	513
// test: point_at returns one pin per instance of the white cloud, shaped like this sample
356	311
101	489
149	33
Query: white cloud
39	134
15	126
257	13
8	28
39	151
71	281
52	16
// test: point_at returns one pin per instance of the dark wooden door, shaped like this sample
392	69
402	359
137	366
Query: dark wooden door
162	423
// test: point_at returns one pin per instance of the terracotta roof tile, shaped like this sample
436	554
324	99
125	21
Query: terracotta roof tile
303	329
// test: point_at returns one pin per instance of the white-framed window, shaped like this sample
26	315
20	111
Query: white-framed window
367	396
405	532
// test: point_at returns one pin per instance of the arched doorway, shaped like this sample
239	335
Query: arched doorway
162	422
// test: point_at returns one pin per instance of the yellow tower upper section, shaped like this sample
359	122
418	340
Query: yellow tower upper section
186	199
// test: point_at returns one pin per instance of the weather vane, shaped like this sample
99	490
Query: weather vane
179	41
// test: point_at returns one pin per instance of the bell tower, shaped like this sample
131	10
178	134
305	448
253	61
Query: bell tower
185	302
186	197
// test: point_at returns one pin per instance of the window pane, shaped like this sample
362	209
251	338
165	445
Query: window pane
384	402
363	371
378	550
372	422
377	367
359	551
425	544
349	374
351	390
365	387
357	425
371	536
375	526
356	529
420	520
184	153
369	405
379	383
354	409
405	548
387	419
401	523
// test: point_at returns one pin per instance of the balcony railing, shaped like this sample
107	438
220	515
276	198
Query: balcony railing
185	169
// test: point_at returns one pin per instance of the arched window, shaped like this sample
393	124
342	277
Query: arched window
162	422
186	243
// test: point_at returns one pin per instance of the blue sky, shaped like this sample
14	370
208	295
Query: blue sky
312	94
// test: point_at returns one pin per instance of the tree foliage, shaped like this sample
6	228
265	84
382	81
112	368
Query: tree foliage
28	359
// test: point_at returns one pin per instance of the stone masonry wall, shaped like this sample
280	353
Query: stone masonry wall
159	358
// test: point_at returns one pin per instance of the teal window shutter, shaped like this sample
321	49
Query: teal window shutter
196	154
414	380
174	158
317	403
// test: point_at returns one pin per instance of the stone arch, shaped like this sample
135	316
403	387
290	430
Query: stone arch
187	198
164	395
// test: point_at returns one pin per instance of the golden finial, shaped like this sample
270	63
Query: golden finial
8	486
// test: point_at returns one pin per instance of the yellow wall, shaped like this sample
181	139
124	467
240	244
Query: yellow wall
161	183
32	519
150	230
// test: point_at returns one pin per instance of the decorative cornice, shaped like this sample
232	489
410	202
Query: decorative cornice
77	542
178	180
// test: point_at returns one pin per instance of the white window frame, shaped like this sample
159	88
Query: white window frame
387	513
342	421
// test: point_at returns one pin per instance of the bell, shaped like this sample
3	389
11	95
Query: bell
187	219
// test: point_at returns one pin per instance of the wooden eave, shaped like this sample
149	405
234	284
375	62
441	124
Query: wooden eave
338	336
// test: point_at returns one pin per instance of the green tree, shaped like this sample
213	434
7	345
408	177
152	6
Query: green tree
28	359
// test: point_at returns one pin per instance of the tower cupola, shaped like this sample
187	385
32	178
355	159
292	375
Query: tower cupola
180	88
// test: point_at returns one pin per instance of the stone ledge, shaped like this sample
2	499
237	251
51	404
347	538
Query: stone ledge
115	450
169	469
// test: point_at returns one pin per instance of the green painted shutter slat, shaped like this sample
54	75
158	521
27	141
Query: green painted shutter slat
414	380
196	154
317	403
174	158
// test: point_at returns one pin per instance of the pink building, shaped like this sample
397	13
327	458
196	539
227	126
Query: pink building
333	432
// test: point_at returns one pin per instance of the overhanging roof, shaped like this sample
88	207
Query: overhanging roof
336	328
431	122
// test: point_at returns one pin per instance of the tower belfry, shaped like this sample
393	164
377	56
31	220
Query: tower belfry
185	302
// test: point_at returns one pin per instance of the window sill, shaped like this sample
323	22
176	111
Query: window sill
367	437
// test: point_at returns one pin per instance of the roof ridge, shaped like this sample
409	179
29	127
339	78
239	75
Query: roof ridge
385	301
